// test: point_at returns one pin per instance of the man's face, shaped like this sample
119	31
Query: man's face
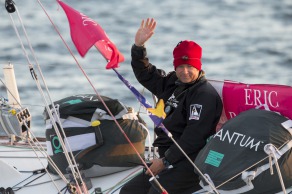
187	73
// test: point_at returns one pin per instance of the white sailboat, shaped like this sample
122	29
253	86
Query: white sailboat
24	158
23	164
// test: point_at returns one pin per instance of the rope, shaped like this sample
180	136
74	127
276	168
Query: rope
125	180
272	149
18	188
95	91
71	160
260	161
39	86
39	147
49	160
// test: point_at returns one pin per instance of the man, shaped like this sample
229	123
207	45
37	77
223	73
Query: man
192	107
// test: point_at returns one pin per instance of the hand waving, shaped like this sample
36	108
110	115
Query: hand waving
145	31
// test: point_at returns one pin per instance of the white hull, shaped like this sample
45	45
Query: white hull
18	162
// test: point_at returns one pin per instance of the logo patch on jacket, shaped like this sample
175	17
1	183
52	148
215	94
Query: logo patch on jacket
195	111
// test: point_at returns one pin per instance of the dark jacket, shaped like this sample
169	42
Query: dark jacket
196	113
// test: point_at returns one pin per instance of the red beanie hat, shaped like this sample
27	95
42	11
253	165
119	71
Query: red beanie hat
187	52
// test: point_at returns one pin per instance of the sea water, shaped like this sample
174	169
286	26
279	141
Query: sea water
242	40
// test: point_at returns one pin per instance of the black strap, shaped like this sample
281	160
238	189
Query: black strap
99	143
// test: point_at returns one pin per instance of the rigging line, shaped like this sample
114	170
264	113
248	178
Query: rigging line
42	152
19	38
189	159
47	171
125	179
23	157
66	153
149	136
14	186
278	171
37	184
94	89
53	163
10	151
18	188
37	81
55	167
23	146
155	100
149	142
140	103
64	188
247	168
40	90
45	154
71	160
31	105
68	66
123	182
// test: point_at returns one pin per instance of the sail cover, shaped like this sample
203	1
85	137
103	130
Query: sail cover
235	159
95	146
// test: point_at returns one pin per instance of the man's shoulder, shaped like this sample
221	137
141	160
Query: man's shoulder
171	76
204	86
171	73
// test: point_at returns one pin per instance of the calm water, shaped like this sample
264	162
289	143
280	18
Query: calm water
243	40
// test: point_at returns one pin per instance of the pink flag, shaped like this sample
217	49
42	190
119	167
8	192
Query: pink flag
85	33
238	97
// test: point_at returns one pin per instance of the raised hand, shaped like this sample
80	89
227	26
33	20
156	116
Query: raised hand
145	31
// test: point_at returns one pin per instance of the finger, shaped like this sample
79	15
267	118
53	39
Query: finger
147	23
153	25
147	172
151	22
142	24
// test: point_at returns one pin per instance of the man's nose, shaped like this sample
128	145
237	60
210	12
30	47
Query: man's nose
184	69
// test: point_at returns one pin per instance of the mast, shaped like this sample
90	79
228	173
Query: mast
11	86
